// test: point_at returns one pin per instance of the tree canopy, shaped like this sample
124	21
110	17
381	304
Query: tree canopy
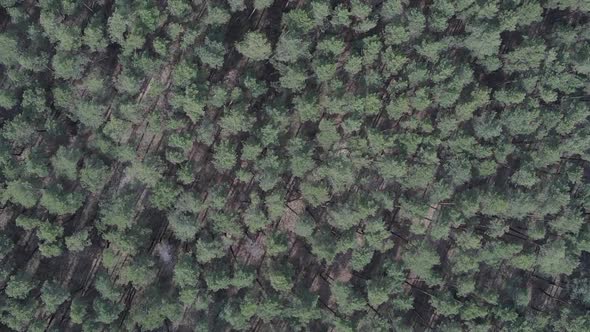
294	165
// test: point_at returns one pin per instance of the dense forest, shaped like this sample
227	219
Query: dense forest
295	165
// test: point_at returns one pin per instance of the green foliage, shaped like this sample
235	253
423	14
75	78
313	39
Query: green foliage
21	192
78	311
347	299
328	134
117	211
445	305
291	49
555	259
377	292
49	232
147	172
65	162
281	277
189	102
140	272
18	130
255	46
361	257
27	223
262	4
276	244
107	288
164	195
106	311
186	272
93	175
6	246
78	241
299	20
184	226
51	249
235	122
68	66
224	158
178	8
422	259
9	54
580	289
311	166
315	195
154	309
53	295
60	202
217	15
218	96
211	53
19	286
293	77
16	315
95	37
